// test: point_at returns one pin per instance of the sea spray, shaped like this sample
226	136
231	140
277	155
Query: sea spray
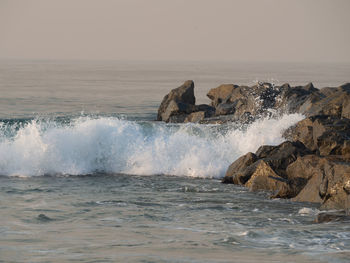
88	145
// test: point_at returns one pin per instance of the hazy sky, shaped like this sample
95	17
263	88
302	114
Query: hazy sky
242	30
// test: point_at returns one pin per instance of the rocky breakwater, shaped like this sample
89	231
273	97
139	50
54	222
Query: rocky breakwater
312	165
244	104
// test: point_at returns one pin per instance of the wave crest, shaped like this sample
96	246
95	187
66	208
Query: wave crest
111	145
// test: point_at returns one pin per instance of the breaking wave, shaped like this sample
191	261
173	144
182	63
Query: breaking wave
88	145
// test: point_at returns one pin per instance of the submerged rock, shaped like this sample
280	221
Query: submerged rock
326	217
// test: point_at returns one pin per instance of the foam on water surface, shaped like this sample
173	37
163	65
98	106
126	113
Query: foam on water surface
112	145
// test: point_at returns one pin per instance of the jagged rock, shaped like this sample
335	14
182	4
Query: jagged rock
327	134
309	171
334	102
279	157
237	172
265	178
276	158
179	106
179	101
326	180
259	100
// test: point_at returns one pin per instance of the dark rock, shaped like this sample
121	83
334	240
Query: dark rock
326	180
179	101
258	100
309	171
237	172
334	102
279	157
328	135
326	217
268	166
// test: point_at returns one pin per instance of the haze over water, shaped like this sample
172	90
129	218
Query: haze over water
87	175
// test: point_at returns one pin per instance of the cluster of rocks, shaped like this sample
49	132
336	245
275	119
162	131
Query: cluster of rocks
312	165
231	102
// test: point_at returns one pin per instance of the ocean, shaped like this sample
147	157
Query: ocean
88	175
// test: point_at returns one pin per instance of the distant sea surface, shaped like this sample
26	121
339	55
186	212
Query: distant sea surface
87	175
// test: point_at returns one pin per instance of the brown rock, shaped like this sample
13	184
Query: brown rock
279	157
179	101
237	172
326	217
221	94
327	134
335	102
264	178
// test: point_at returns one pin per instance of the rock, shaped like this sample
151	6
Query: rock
264	178
179	101
258	100
195	116
237	172
326	217
325	180
279	157
308	171
329	135
334	102
221	94
338	176
297	99
269	163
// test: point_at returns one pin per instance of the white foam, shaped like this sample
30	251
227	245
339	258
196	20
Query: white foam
114	145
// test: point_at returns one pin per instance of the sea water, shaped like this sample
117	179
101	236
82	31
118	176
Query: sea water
87	175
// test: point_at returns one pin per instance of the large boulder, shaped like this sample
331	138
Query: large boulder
179	101
179	106
265	178
239	172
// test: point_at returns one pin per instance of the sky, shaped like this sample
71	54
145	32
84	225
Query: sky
191	30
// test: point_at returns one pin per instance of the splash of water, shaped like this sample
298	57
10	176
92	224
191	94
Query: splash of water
111	145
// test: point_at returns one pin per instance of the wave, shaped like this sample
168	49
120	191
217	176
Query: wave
88	145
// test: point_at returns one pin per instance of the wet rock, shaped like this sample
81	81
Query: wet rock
195	116
258	100
269	163
237	173
43	218
279	157
326	217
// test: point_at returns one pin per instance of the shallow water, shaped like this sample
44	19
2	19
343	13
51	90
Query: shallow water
100	218
83	164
